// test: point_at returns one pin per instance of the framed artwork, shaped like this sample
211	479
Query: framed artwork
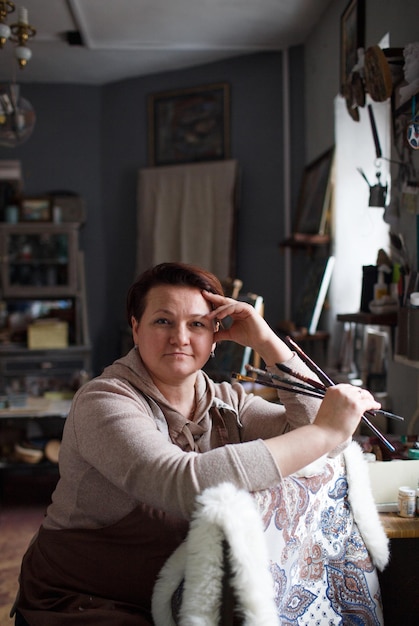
313	293
352	36
189	125
37	209
313	212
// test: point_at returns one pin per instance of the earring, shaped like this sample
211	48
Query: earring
212	355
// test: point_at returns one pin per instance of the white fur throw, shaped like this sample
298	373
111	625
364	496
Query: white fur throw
223	512
363	506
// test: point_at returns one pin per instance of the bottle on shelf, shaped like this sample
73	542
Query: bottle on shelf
380	287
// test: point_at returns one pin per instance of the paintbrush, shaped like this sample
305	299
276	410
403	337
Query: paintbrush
281	379
311	364
319	386
329	383
265	383
303	377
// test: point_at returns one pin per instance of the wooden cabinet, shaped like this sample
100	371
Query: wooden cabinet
38	259
37	372
42	286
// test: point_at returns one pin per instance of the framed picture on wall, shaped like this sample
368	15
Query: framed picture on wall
313	212
352	36
189	125
312	296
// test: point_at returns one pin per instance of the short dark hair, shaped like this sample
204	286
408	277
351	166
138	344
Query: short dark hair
181	274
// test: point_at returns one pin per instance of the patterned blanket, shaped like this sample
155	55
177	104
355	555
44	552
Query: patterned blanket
317	533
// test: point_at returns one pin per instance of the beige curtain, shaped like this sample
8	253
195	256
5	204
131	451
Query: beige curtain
186	213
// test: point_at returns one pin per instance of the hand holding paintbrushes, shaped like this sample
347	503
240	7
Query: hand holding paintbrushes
327	382
309	386
248	328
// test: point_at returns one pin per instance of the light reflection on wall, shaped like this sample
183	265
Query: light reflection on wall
359	230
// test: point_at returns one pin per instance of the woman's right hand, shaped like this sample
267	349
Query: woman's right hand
342	409
248	328
337	419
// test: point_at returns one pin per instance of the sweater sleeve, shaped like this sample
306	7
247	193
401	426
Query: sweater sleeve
114	454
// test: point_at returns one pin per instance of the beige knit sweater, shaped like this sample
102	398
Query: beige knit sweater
117	448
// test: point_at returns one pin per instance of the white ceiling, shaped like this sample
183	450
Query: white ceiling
127	38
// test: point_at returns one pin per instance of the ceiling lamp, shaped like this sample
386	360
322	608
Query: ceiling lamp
18	32
5	8
17	117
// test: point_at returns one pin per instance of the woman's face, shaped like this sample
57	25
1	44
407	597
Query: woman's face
174	336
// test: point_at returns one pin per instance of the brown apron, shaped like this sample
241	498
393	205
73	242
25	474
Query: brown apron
103	576
106	576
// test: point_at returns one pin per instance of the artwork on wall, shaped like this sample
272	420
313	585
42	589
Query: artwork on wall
313	294
189	125
352	34
313	213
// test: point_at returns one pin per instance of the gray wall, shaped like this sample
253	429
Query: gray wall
94	140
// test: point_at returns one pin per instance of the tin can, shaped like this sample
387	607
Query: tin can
56	214
12	214
407	502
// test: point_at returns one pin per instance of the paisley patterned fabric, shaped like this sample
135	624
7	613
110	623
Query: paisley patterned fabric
322	571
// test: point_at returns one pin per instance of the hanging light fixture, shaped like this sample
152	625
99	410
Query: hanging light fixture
19	32
17	117
6	7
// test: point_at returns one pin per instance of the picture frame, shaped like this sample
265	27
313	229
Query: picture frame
313	210
189	125
312	296
352	37
35	209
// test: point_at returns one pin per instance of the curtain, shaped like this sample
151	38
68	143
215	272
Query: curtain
186	213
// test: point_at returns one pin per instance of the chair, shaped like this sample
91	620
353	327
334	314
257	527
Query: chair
315	539
222	567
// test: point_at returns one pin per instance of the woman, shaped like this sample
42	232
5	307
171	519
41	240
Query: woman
149	434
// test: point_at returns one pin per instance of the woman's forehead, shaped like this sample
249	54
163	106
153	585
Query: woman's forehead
176	298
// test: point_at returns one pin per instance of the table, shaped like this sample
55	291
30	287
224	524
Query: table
399	582
397	527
